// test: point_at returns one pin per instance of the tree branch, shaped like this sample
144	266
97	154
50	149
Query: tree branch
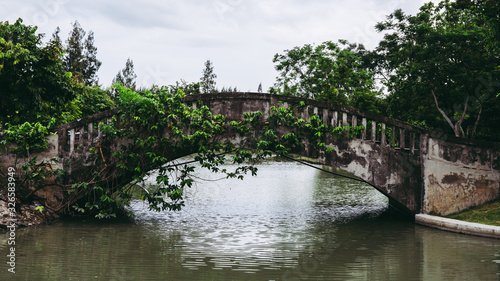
459	122
477	121
444	115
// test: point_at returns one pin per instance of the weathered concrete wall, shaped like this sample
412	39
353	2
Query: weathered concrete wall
458	176
393	172
52	151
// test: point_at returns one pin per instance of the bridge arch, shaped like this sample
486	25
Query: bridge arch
420	171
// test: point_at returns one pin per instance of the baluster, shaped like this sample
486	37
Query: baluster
402	136
335	119
354	125
344	119
363	133
325	116
99	132
412	143
80	139
374	131
383	137
71	141
90	132
305	113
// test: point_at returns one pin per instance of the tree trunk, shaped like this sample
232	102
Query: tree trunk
457	127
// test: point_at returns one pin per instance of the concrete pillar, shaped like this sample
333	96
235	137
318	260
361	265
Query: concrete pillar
335	119
90	131
402	136
326	116
71	141
383	137
412	142
374	131
344	119
363	133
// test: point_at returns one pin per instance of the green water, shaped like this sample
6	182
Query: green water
290	222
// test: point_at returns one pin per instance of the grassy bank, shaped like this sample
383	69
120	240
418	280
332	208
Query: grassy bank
488	213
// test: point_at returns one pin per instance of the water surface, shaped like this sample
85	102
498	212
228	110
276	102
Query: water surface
291	222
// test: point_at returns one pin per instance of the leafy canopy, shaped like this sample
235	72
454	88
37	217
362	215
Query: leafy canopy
329	72
440	65
32	76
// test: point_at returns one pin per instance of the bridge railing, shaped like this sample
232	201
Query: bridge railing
375	128
378	129
77	137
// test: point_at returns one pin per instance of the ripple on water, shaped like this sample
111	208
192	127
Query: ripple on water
262	222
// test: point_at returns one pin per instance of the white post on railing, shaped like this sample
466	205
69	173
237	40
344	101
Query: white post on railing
344	119
325	116
374	131
71	141
363	133
335	119
383	139
90	131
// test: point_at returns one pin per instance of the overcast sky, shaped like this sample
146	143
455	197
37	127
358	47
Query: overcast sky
169	40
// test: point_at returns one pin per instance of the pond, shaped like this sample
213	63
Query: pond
290	222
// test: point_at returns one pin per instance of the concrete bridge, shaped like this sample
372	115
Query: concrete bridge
420	171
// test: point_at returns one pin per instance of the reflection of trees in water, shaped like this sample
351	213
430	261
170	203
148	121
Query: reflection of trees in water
101	251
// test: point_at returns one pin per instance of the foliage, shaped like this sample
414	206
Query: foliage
154	128
228	90
186	88
126	76
32	76
441	65
24	141
208	78
329	72
91	100
81	56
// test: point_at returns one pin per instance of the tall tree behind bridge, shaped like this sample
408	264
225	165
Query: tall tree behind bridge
208	78
81	56
329	72
126	76
33	84
442	65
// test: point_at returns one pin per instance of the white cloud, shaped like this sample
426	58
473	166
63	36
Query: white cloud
170	40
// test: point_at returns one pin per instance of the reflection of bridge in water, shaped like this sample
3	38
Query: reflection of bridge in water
420	171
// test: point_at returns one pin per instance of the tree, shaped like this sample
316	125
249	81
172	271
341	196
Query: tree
208	78
92	64
437	64
185	87
74	59
56	39
127	76
81	56
329	72
32	76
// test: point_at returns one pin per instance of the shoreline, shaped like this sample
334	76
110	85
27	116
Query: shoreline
458	226
27	216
